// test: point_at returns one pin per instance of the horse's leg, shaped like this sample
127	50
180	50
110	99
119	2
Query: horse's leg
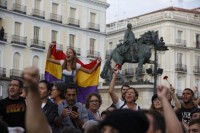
139	69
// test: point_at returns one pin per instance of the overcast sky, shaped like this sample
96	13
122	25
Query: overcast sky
121	9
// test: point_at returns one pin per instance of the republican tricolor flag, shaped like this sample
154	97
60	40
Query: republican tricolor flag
87	83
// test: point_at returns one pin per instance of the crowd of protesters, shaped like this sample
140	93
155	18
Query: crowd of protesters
35	106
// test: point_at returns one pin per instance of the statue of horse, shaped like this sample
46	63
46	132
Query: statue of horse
139	52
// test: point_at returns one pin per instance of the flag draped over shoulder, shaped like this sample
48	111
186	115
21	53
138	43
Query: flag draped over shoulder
53	72
87	83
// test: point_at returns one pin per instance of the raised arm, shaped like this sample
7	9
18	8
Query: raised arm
94	68
34	123
113	95
174	97
49	55
172	123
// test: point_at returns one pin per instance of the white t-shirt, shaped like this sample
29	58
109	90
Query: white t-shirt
120	103
66	72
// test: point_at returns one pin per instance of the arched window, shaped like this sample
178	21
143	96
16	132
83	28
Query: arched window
35	62
16	61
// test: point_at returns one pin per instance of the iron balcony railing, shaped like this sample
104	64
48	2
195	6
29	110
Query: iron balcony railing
56	18
92	54
38	13
181	68
108	53
3	37
74	22
2	72
19	8
38	43
196	70
15	73
78	50
3	4
180	42
93	26
19	40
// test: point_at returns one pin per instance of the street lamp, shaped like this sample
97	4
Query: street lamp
157	47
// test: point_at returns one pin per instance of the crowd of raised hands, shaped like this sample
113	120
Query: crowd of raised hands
123	116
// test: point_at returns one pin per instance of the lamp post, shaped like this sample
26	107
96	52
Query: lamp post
157	47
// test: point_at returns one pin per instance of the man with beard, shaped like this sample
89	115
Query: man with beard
187	107
71	113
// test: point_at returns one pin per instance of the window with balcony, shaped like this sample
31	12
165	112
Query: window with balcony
92	17
179	58
92	24
37	4
180	67
16	38
54	8
37	12
72	17
54	35
17	28
71	40
3	4
54	15
179	40
198	41
18	7
36	34
92	42
72	12
35	61
197	65
16	61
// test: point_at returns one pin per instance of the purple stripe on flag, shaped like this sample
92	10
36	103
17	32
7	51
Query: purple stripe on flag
83	92
50	77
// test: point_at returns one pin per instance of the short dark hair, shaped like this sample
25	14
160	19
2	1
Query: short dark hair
21	84
194	121
189	90
197	110
71	85
124	85
89	97
47	83
60	86
158	120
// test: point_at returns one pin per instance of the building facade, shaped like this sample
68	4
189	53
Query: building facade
180	29
30	26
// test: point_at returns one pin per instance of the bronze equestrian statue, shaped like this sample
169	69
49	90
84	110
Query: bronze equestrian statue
132	51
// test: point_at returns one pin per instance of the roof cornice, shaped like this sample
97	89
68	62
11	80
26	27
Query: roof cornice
97	2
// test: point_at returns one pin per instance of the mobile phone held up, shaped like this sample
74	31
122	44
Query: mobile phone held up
75	109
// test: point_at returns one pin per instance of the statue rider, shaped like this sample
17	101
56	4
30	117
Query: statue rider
129	39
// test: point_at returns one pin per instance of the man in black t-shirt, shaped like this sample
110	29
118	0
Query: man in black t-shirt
184	114
12	108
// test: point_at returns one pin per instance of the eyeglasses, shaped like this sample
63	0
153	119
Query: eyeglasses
94	101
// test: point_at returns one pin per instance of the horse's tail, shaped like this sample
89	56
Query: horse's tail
106	68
